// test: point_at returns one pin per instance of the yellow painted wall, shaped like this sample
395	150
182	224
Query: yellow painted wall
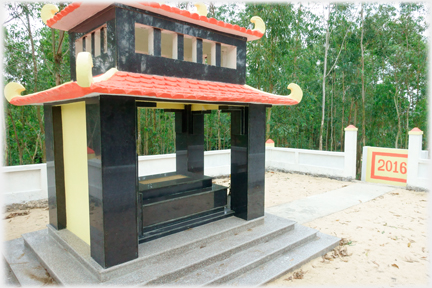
75	169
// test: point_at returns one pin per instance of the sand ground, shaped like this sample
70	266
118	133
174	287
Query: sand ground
385	241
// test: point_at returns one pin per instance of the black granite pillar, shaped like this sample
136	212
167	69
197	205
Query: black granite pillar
55	166
218	54
180	47
111	124
199	51
157	42
248	161
189	141
93	52
102	40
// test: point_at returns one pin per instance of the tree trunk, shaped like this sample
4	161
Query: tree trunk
35	78
218	131
173	141
398	117
331	113
269	112
139	139
268	123
355	114
20	148
327	132
324	77
407	114
146	132
343	112
362	79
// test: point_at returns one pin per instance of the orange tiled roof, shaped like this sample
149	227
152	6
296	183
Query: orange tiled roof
158	87
77	12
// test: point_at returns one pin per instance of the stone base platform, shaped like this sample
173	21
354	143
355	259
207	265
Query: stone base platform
230	251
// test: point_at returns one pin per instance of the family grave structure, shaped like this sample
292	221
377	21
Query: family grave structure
152	56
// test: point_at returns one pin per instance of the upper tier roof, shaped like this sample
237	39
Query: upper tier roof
157	88
78	12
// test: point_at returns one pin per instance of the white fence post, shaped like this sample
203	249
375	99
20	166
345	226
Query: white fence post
414	150
350	150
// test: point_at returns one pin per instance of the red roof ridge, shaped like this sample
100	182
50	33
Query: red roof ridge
68	9
174	10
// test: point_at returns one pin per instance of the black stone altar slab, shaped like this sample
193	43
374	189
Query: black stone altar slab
176	201
184	205
170	185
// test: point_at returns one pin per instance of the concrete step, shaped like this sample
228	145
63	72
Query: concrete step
24	266
184	224
61	265
222	271
158	271
231	251
287	262
156	250
153	252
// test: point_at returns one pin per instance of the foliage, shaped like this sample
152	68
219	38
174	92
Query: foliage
292	50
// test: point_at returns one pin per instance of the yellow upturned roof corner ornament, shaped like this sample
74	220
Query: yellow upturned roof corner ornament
259	24
84	64
108	74
48	11
12	90
296	92
201	9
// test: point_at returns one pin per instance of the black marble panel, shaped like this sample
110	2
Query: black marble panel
180	47
163	190
128	60
121	47
218	54
162	22
55	166
248	162
72	59
113	180
199	51
147	64
94	166
97	240
93	44
189	141
164	229
157	42
190	204
102	40
256	160
106	60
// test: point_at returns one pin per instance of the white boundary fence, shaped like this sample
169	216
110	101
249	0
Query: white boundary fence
326	163
418	164
28	182
418	173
